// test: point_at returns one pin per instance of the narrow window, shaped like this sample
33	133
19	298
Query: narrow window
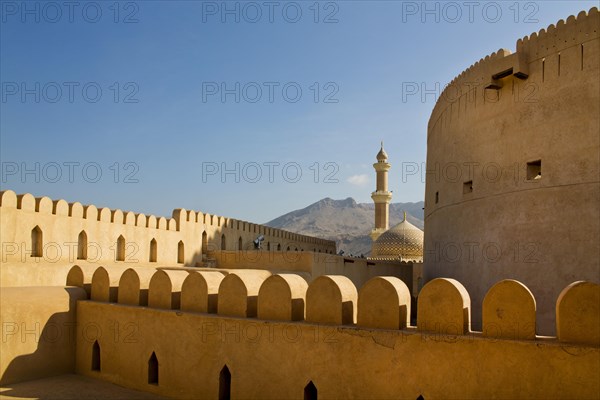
121	248
268	246
468	187
82	245
288	248
225	384
96	357
36	242
534	170
153	250
153	370
223	243
437	197
543	68
240	244
279	247
558	64
204	243
582	56
310	391
180	254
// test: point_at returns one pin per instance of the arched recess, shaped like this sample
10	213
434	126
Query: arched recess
82	245
120	248
223	242
37	242
153	250
180	252
204	243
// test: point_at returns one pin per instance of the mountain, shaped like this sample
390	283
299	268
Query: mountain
345	221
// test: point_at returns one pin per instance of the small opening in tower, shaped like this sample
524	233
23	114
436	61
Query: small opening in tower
310	391
437	197
96	356
468	187
543	68
153	370
225	384
534	170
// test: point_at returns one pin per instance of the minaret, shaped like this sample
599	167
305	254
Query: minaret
381	197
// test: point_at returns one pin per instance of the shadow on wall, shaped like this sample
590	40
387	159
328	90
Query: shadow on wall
51	336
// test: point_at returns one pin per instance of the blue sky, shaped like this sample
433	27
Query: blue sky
243	109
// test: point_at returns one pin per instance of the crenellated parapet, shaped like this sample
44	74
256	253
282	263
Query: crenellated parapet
444	305
47	232
561	49
258	325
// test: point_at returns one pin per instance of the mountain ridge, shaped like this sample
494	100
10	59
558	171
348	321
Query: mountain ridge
345	221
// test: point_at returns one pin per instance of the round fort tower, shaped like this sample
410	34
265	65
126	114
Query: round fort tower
512	187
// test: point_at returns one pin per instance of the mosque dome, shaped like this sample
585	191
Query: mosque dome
402	242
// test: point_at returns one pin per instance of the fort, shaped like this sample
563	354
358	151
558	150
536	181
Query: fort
195	306
521	129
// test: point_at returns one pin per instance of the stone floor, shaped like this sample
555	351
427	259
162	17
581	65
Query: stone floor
71	387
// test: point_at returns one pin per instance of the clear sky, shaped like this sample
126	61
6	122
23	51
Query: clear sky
243	109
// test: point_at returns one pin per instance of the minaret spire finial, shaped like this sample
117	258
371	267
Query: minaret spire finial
404	216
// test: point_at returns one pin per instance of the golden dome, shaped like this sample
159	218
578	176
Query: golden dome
382	155
402	242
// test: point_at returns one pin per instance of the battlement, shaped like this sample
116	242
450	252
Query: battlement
573	38
45	231
179	220
444	306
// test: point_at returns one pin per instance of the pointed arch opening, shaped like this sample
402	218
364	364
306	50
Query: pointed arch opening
37	242
225	384
82	245
240	244
153	250
223	242
120	248
310	391
268	246
180	252
204	243
96	357
279	247
153	370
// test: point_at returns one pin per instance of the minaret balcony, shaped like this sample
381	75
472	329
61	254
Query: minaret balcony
381	196
382	166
